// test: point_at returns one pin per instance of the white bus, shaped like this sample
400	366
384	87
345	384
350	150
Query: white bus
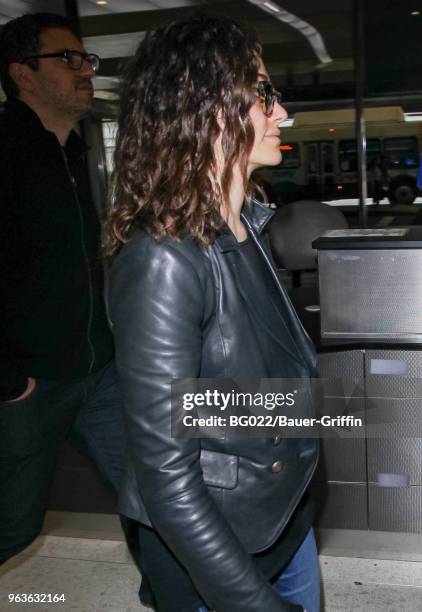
320	155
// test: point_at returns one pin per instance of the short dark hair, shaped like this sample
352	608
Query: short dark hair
20	38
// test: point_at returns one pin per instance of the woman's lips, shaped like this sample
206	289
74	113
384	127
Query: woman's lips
274	137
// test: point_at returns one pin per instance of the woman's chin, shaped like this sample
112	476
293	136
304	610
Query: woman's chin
269	160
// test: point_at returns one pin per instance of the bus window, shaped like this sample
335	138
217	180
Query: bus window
401	152
327	157
348	157
373	150
348	160
312	158
291	155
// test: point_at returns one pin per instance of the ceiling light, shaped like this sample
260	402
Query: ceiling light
413	116
101	1
414	13
271	7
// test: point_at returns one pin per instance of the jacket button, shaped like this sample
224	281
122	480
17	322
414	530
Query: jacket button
277	439
277	466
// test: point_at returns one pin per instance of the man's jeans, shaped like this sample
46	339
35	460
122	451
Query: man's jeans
299	583
87	412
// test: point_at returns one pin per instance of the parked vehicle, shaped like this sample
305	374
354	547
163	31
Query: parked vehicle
320	156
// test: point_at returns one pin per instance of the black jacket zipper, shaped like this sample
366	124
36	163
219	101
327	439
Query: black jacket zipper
86	259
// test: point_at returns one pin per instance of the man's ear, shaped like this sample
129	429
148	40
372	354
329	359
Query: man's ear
22	76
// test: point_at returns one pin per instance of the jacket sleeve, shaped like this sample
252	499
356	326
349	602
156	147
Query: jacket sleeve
157	310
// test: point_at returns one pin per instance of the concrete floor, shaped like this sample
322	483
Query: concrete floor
96	574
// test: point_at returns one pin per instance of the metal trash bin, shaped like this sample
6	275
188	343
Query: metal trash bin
370	284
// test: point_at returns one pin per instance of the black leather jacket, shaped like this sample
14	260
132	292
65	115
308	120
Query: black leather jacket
178	312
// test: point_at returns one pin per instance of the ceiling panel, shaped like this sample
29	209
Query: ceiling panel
113	31
90	7
11	8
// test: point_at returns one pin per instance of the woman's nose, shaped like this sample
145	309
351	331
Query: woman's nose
279	113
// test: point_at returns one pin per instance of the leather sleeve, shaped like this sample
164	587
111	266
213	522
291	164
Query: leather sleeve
157	307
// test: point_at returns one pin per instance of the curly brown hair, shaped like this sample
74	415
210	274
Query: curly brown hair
184	82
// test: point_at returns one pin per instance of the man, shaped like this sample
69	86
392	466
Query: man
56	353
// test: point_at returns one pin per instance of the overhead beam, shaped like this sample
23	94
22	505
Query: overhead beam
120	23
114	66
283	53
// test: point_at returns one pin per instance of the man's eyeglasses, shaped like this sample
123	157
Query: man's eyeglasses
73	59
268	96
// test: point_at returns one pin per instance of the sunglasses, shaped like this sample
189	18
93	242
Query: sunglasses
268	96
73	59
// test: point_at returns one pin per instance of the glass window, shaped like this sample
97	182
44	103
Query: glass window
373	150
291	155
327	157
401	152
391	72
312	157
348	157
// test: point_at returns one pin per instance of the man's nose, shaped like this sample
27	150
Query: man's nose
86	68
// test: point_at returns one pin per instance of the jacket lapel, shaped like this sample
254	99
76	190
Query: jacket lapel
255	218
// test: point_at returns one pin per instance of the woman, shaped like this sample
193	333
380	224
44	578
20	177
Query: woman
194	295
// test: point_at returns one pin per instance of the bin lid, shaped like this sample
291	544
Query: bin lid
371	238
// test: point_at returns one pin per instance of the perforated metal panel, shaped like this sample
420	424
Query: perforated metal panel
395	509
342	455
406	382
401	456
371	294
393	411
393	419
342	372
395	445
340	506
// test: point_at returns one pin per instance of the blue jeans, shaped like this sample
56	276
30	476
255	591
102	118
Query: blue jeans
299	583
88	412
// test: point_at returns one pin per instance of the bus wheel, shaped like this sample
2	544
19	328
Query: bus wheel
402	192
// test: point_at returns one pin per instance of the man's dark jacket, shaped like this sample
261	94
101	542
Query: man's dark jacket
53	323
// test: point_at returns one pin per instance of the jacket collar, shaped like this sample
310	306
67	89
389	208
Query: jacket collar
258	214
255	214
28	122
25	119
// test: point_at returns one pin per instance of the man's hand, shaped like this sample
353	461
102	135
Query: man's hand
29	389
